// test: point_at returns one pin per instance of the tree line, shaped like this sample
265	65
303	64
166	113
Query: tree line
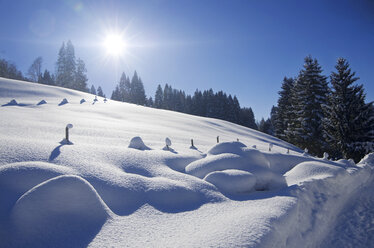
309	113
70	72
334	119
207	103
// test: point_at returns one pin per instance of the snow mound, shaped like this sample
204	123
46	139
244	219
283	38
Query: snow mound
312	170
61	210
64	101
367	160
202	167
42	102
235	155
227	147
137	143
11	103
17	178
232	181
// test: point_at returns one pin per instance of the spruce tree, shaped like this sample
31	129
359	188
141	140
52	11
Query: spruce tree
309	95
47	78
159	95
116	94
137	91
80	77
284	113
61	67
93	90
349	121
70	69
100	92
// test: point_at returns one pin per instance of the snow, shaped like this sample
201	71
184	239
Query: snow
137	143
232	181
107	188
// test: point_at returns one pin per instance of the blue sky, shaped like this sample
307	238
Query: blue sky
244	48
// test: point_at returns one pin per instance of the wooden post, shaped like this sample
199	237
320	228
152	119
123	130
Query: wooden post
68	126
192	143
217	139
67	134
237	139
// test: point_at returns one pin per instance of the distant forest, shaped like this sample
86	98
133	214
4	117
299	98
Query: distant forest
309	113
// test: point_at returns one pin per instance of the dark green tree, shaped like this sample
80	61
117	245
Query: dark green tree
349	121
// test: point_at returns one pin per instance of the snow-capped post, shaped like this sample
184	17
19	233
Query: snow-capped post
288	151
192	143
168	143
325	156
68	126
306	150
270	146
217	139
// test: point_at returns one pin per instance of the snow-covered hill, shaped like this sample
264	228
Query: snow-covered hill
116	183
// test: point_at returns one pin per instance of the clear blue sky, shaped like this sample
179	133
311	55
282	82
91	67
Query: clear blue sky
244	48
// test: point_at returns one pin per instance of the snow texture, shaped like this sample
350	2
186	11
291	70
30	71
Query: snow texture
109	189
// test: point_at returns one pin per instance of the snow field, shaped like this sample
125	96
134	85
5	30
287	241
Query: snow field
118	185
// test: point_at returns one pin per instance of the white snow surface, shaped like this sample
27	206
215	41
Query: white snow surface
106	188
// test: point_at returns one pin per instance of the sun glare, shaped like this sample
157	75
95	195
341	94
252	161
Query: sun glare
114	44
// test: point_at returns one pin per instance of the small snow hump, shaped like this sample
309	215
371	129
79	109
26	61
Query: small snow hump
11	103
137	143
63	102
42	102
227	147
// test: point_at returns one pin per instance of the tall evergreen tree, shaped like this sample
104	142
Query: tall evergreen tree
309	95
137	90
100	92
80	82
47	78
159	97
284	113
349	121
116	94
93	90
35	70
61	67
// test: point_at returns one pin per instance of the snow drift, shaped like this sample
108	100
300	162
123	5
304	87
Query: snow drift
107	188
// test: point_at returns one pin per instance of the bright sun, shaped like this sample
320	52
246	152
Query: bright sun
114	44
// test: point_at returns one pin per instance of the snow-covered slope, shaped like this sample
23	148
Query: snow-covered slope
116	183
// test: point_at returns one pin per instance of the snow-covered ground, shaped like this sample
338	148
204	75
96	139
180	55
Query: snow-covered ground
118	182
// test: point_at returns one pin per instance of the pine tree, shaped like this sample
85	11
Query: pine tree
137	91
80	82
309	95
70	67
100	92
116	94
93	90
284	113
159	97
247	118
35	70
47	78
349	121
